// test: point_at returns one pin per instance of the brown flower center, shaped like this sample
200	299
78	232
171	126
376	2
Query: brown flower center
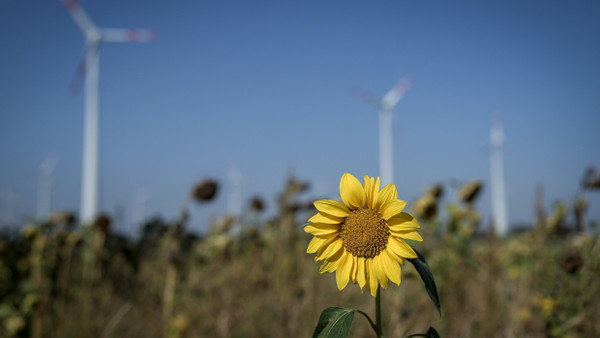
364	233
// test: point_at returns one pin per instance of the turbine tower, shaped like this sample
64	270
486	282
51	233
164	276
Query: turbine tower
385	105
44	202
138	211
234	195
499	218
90	67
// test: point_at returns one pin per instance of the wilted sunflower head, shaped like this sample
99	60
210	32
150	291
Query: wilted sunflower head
436	191
591	178
102	223
362	237
426	207
572	261
205	190
470	191
257	204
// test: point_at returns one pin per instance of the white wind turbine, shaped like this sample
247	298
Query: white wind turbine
499	212
234	195
385	105
94	36
44	202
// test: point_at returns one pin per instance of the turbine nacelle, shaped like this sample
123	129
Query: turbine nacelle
389	101
391	98
92	36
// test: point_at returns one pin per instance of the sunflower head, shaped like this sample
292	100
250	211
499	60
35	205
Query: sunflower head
362	237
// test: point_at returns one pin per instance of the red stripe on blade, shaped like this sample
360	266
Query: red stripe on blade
133	35
71	5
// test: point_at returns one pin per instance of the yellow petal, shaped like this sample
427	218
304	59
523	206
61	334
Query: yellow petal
400	248
368	183
360	275
333	208
379	271
328	266
371	279
391	266
352	191
319	256
354	269
392	208
371	187
343	270
387	193
331	264
315	244
408	235
402	222
324	218
329	249
318	229
395	257
327	236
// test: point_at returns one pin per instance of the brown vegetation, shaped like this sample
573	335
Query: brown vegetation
91	282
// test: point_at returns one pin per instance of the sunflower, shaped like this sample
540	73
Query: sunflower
362	239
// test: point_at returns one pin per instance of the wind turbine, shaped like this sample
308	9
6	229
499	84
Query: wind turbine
499	212
94	36
138	213
44	203
234	195
385	105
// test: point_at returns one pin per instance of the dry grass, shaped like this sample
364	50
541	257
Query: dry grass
86	284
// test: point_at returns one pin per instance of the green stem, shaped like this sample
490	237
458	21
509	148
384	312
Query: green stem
378	313
369	319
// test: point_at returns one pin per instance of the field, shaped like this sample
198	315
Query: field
56	281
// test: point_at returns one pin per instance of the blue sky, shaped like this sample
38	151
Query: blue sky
268	87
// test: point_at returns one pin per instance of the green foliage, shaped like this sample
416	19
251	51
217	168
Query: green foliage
424	271
334	322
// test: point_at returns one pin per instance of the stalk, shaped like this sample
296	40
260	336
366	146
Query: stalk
35	259
173	247
378	313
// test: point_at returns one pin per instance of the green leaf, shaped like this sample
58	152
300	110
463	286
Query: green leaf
431	333
427	276
334	322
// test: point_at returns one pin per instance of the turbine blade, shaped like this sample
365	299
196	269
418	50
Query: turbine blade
82	68
128	35
77	80
82	20
368	97
391	99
